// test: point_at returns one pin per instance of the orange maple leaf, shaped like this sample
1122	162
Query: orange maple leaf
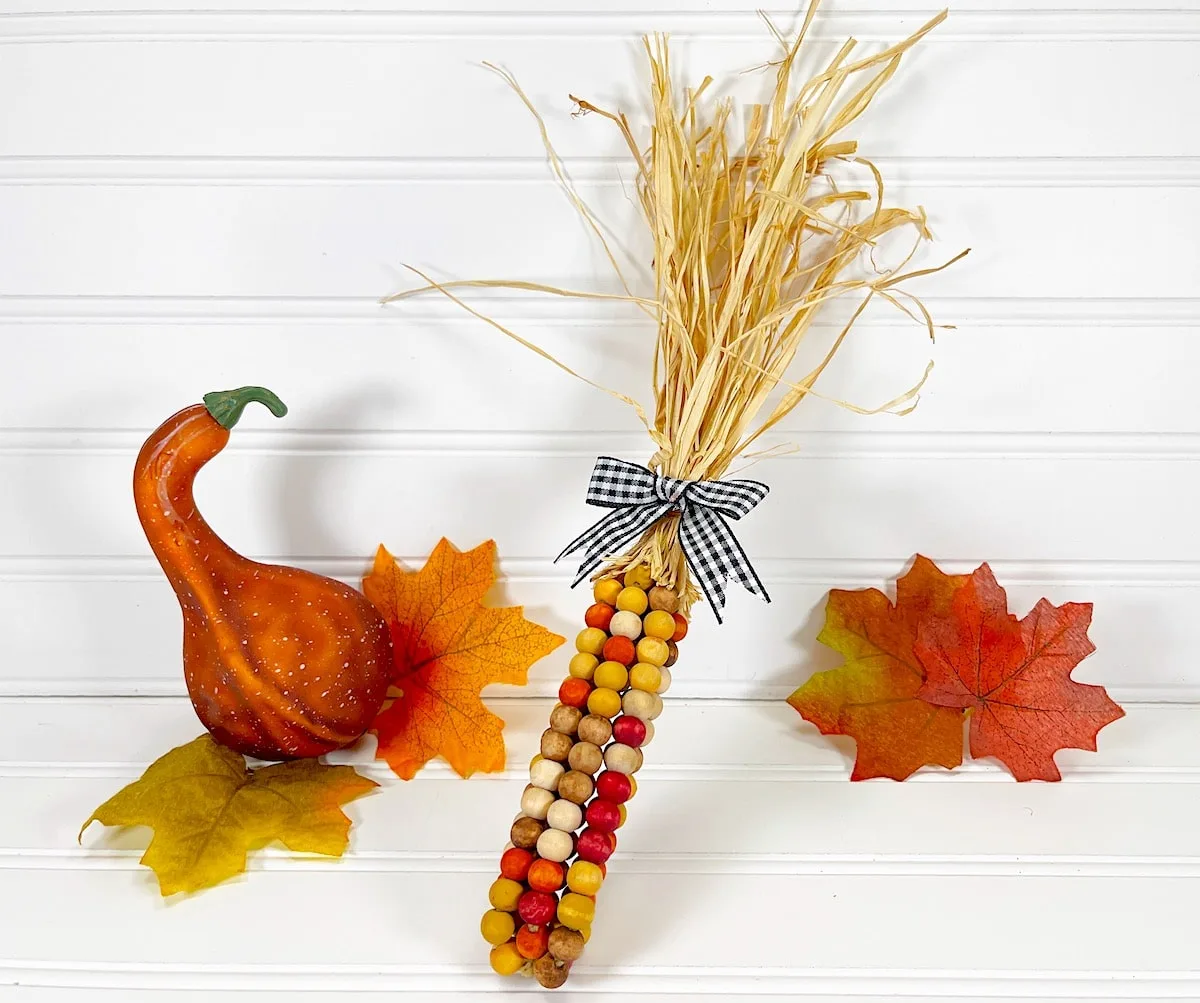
1014	676
447	647
873	697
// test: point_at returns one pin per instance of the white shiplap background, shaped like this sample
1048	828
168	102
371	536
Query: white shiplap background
195	199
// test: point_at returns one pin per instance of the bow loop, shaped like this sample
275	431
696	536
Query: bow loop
639	497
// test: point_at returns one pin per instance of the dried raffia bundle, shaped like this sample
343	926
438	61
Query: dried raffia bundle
752	240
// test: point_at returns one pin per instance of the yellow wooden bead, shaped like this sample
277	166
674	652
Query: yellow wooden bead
659	623
575	910
606	590
504	893
633	600
506	959
622	814
584	877
639	577
586	932
665	683
604	702
591	640
653	650
611	675
497	926
644	676
583	664
537	758
632	788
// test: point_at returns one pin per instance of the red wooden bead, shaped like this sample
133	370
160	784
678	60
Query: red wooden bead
620	649
599	615
629	731
614	787
603	815
681	627
574	692
515	863
593	845
537	908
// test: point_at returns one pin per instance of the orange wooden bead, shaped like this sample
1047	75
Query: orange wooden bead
545	876
532	941
620	649
574	692
599	615
515	863
681	627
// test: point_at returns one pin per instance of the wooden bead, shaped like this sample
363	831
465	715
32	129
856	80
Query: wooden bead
525	832
599	615
565	944
628	624
657	708
681	627
632	599
594	729
639	703
620	649
564	815
664	682
658	623
536	801
565	719
505	959
550	972
638	577
644	676
582	665
610	675
601	703
555	745
555	844
653	650
645	741
663	599
577	785
590	640
606	590
672	654
622	758
546	773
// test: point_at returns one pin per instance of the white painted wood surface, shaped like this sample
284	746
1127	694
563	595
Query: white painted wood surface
197	198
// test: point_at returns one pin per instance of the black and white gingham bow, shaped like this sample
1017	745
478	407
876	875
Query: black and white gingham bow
639	497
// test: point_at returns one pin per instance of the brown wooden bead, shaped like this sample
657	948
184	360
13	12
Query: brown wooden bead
565	719
577	786
672	654
525	832
595	729
585	757
550	972
661	598
566	944
555	745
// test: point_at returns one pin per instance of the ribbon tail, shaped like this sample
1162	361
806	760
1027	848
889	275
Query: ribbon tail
714	555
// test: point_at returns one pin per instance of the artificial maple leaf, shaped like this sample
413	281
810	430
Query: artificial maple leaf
447	647
873	696
208	811
1015	677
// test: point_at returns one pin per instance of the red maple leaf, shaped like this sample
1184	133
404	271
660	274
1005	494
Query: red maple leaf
1014	676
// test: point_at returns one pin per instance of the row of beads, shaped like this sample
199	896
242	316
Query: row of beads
604	717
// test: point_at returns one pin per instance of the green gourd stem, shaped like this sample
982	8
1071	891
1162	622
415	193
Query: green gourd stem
226	406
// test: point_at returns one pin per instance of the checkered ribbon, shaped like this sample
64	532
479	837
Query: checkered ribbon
639	497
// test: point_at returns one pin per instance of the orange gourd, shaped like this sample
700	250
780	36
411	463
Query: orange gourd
280	663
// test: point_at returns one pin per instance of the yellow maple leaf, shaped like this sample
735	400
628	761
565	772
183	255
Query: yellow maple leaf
447	647
208	811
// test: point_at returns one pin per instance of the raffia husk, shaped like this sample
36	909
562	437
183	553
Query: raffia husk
748	248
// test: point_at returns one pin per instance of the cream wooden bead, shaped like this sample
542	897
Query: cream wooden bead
565	815
649	734
536	802
640	704
556	845
622	758
657	708
625	624
666	680
545	773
